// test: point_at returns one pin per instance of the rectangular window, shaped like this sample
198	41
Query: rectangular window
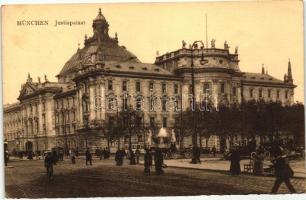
138	86
251	92
190	89
140	138
151	86
124	86
222	88
138	103
175	88
110	103
260	93
124	104
277	94
152	121
269	93
164	105
286	94
164	88
110	85
43	106
234	91
206	88
165	122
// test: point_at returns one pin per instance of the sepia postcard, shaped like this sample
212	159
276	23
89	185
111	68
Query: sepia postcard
153	99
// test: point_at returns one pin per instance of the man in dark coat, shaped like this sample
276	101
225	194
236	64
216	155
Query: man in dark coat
119	157
6	157
159	161
49	160
132	157
214	150
137	154
235	161
88	157
283	171
147	161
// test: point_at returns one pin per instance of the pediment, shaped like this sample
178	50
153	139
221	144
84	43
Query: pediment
27	90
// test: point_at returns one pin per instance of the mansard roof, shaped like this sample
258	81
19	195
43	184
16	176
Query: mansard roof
262	78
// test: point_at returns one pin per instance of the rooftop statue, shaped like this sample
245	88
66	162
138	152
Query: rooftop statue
236	50
183	44
226	45
213	41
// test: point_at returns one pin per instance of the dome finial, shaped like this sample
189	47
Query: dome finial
100	12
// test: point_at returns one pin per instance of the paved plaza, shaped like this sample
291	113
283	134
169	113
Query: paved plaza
27	179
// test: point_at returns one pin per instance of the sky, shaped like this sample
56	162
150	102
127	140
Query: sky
266	32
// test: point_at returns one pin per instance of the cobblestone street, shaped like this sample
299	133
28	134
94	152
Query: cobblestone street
27	179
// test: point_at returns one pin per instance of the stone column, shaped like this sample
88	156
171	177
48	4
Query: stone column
185	96
40	122
103	99
80	107
215	92
92	114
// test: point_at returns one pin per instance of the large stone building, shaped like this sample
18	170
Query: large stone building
104	78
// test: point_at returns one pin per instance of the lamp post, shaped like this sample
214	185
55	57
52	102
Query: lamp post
131	127
195	150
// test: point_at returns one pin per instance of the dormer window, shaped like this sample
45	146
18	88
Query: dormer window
144	68
131	67
156	69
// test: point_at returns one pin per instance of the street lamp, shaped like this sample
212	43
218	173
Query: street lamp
195	150
131	127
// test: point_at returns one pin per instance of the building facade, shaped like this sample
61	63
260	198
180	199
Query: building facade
103	78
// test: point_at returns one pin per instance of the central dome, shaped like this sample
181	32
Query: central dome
99	46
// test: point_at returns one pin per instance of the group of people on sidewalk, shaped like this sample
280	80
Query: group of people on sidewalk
282	170
148	159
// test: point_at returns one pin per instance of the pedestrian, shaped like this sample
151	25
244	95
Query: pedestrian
55	157
119	157
72	156
283	171
132	157
258	157
49	165
214	150
103	155
107	153
147	161
159	161
137	154
6	157
88	157
235	161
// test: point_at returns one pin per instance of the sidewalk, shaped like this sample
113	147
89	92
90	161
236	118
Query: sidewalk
215	164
